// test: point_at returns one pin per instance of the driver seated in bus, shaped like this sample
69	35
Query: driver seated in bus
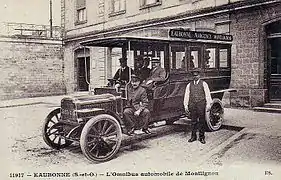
157	73
136	113
122	74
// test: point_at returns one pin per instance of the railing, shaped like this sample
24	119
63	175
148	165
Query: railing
30	30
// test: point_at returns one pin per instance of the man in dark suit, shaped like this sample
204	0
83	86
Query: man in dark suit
141	68
197	100
145	69
157	73
136	113
122	74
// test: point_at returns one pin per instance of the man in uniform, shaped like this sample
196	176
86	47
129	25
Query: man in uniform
136	113
197	100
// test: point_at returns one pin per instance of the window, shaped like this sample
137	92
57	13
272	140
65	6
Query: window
81	11
210	58
195	58
81	15
178	58
223	57
155	53
149	3
117	6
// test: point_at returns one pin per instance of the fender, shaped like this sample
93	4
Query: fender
224	90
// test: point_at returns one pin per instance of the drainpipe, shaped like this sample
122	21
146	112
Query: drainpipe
51	20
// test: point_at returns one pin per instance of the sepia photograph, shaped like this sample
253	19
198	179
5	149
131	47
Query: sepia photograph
140	89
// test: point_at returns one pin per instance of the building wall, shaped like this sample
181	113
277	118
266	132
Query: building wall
97	66
30	67
97	21
249	64
249	61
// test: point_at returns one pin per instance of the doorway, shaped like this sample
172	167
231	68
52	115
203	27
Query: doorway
274	59
83	73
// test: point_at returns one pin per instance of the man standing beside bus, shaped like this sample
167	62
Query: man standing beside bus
197	101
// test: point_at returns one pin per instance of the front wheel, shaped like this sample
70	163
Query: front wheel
101	138
53	133
214	117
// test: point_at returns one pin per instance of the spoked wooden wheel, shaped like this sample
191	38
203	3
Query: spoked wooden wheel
101	138
53	133
214	118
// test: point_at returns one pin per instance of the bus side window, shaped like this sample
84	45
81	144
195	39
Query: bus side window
194	60
210	58
178	58
223	55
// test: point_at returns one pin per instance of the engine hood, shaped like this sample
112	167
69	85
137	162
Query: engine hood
90	99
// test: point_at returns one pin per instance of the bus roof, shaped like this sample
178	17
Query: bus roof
121	41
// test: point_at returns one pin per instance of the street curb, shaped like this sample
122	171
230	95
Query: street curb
216	150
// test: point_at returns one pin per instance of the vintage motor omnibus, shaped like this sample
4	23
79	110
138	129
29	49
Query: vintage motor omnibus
95	120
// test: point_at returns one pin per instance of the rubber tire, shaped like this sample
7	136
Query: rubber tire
87	128
209	127
46	138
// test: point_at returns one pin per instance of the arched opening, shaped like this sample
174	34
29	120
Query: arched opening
82	68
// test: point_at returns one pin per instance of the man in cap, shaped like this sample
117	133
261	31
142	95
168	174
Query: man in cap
122	74
157	73
136	113
197	100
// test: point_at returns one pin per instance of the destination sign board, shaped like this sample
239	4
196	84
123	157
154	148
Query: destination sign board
181	33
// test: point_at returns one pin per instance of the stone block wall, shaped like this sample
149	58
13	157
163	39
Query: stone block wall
248	58
30	68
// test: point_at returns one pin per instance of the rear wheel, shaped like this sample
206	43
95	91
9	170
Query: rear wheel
214	117
53	133
101	138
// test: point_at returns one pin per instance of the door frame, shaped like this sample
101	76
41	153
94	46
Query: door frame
86	73
80	52
269	37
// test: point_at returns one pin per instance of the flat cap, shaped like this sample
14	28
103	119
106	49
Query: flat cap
195	71
135	77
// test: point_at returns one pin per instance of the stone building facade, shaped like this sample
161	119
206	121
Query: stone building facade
252	63
254	25
31	65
